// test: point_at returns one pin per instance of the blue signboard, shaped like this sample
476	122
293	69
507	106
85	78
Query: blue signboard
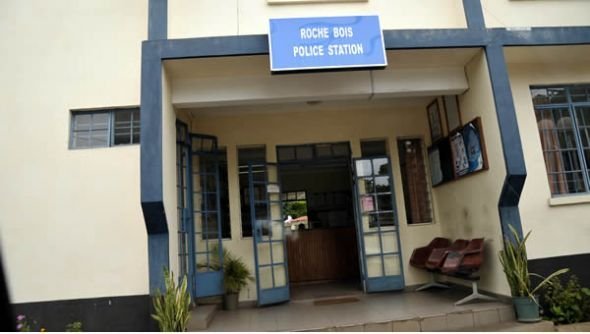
326	43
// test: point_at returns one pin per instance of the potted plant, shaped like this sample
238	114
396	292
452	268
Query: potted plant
172	308
236	276
515	264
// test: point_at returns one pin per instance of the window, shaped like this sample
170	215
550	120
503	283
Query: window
415	186
373	148
309	152
105	128
294	204
563	121
209	196
252	155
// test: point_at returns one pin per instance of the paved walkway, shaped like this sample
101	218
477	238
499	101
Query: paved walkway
426	310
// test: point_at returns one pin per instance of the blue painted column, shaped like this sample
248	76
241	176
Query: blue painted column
474	15
152	199
157	19
510	137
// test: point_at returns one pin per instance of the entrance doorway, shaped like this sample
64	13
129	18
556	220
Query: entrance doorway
318	203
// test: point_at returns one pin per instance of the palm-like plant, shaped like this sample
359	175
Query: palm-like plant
514	261
172	308
236	274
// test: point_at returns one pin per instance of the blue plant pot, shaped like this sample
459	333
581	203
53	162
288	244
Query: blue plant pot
527	310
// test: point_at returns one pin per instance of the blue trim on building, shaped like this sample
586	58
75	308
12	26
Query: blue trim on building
542	36
157	19
158	254
493	40
510	137
152	202
474	15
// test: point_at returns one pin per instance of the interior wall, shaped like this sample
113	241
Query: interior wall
70	220
169	173
318	124
187	18
563	227
468	207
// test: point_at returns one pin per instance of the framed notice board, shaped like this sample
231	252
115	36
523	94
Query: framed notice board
460	154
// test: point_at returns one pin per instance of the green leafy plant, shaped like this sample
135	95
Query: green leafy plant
236	274
566	304
172	308
22	324
75	326
514	261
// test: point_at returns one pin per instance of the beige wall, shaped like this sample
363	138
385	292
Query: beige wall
323	123
169	173
550	224
468	207
540	13
188	18
70	220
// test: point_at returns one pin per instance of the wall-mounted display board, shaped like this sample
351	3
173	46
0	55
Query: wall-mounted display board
460	154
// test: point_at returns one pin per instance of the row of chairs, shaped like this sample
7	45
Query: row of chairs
461	259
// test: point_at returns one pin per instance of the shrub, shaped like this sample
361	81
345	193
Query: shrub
22	325
172	308
75	326
566	304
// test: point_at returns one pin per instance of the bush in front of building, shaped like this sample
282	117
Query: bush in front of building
172	308
566	303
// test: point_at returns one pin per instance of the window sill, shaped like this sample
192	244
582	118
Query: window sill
420	224
569	200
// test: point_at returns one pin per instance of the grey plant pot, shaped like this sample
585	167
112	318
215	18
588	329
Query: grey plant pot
527	309
230	301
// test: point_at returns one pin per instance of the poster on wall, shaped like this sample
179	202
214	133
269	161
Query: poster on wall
473	147
433	111
460	160
435	168
367	203
458	155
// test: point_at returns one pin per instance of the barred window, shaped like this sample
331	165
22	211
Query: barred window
563	121
416	191
104	128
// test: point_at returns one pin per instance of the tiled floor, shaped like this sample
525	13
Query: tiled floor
431	308
309	292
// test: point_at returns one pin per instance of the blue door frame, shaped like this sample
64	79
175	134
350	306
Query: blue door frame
377	225
199	230
268	235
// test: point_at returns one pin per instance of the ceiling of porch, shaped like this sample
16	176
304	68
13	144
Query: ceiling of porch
410	77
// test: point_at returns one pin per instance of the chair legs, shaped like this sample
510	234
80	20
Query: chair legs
474	295
432	284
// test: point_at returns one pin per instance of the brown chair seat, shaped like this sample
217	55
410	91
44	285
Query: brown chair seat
466	261
420	255
438	255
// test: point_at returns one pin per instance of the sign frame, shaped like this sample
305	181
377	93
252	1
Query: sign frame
360	66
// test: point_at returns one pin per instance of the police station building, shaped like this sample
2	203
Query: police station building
320	141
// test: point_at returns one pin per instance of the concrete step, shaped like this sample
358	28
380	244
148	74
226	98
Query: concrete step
514	326
201	317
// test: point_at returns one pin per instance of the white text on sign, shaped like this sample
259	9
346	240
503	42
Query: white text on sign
320	50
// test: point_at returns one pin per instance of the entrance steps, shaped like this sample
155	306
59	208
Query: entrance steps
201	317
513	326
497	318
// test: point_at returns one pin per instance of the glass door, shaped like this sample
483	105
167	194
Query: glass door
272	283
377	225
205	247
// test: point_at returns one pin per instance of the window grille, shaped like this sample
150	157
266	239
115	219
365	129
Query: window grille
563	121
104	128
